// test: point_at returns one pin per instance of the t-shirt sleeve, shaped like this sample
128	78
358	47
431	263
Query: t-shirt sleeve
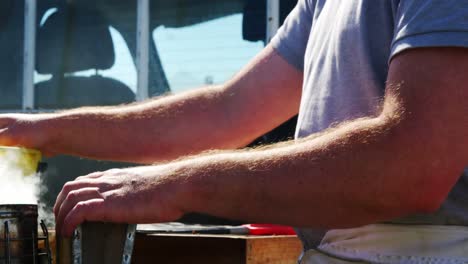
430	23
291	39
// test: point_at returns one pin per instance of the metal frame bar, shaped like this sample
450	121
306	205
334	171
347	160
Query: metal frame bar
45	237
29	53
142	49
76	246
272	23
7	243
34	246
129	242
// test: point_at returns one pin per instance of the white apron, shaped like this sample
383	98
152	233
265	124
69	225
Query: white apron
392	244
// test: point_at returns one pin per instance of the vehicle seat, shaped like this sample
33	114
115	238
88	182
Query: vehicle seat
254	19
73	39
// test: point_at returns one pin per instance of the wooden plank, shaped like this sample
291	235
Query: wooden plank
206	249
102	242
273	250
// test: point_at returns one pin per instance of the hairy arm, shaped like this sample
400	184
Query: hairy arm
403	161
263	95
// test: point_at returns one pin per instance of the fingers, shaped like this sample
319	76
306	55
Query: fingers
90	210
81	190
99	209
93	175
11	134
23	130
5	138
113	196
69	187
73	198
4	121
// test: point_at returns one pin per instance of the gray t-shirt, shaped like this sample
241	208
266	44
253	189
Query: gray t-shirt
344	49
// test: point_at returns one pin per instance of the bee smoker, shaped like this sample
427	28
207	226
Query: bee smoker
19	237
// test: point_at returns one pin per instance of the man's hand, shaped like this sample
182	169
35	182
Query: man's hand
24	130
132	195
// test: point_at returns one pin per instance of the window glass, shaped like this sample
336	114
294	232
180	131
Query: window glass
11	54
205	53
82	54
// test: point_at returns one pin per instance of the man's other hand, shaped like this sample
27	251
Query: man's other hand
132	195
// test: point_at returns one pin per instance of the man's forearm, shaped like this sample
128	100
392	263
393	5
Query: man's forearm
406	160
219	117
342	178
144	132
360	173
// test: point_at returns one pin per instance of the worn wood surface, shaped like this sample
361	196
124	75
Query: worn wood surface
102	243
280	250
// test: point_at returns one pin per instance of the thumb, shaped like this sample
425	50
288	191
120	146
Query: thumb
10	134
5	137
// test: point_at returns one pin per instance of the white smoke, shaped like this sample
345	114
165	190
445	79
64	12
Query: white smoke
17	188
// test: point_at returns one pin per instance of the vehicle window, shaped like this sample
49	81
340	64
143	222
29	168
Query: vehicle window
82	55
86	50
205	53
11	53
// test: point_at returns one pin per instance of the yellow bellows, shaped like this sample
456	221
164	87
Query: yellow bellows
22	159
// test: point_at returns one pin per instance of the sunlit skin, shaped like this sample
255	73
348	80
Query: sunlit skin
358	173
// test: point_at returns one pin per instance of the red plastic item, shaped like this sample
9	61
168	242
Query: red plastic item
269	229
